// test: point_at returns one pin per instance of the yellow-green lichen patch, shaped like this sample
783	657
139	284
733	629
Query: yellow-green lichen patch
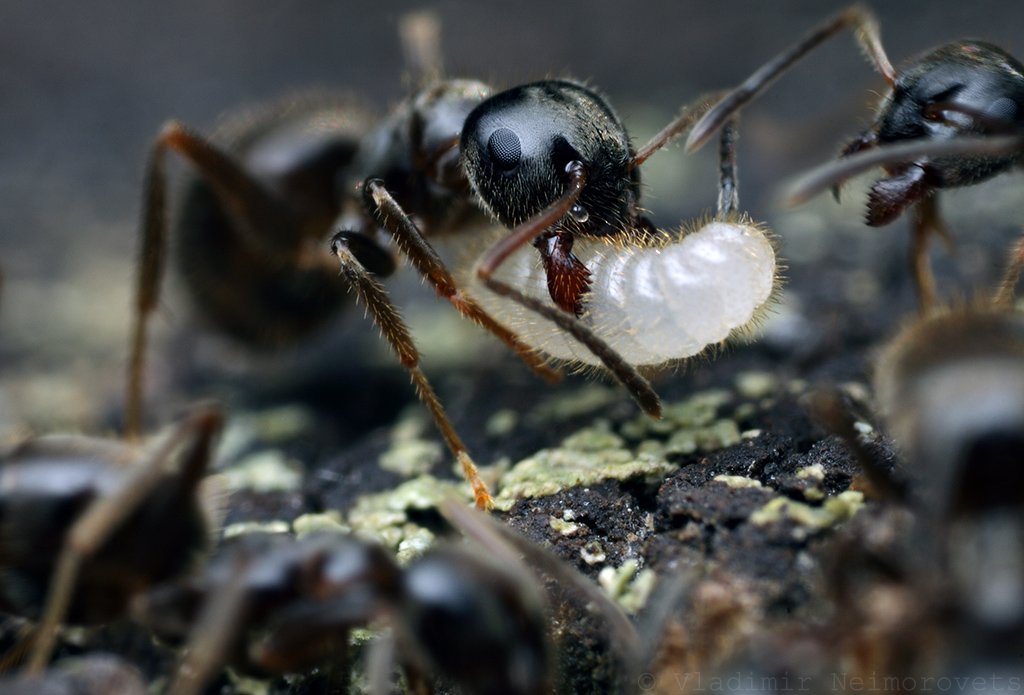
244	527
264	471
626	586
551	470
737	481
242	684
410	454
593	552
717	435
384	516
502	423
411	457
756	385
564	405
326	522
835	510
565	528
271	426
698	411
599	437
815	472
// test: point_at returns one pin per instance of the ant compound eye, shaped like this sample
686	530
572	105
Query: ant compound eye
505	149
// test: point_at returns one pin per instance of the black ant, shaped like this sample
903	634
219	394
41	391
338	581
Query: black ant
963	88
550	159
949	388
275	605
85	523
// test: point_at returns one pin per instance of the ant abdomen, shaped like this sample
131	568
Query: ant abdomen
251	261
662	300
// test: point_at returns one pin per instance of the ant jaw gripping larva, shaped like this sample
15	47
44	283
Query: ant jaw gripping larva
655	301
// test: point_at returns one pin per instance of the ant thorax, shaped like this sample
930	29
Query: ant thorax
654	300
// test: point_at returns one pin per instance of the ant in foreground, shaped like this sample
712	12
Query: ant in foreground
271	604
87	524
950	390
963	88
550	160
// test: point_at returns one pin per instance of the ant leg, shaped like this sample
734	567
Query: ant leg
492	259
860	157
384	313
686	118
833	411
103	516
211	636
926	221
856	17
263	221
728	188
386	210
1006	293
508	548
420	35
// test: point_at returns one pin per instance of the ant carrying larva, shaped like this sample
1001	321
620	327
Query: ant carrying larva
549	160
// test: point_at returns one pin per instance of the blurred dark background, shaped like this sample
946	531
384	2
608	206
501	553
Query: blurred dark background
86	86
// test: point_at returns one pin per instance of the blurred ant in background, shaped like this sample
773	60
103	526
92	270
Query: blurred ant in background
963	88
87	524
471	614
950	390
550	160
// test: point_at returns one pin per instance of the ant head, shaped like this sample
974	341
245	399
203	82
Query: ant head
517	144
472	621
961	87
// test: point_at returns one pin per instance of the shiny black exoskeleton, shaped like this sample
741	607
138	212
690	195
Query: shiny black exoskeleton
962	88
455	614
517	144
47	485
925	130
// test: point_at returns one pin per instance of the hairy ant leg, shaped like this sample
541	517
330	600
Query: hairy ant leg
856	17
728	187
683	122
510	549
424	258
101	519
1006	292
393	327
266	227
925	222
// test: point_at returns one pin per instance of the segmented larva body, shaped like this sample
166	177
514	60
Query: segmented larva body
652	304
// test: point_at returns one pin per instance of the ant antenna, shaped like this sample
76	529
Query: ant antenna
831	173
420	34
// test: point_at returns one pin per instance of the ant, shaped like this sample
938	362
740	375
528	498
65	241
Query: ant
963	88
271	604
551	160
950	389
85	523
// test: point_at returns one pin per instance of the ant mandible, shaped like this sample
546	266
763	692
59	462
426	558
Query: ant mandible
962	88
550	159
